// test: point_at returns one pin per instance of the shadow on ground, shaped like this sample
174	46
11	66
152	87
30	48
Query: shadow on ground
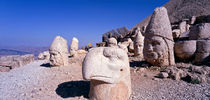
73	89
139	64
45	65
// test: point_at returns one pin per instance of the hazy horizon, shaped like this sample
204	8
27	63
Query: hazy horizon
37	22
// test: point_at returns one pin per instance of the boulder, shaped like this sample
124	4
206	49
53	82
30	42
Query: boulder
74	46
112	42
110	76
200	32
59	52
163	75
203	51
44	55
184	50
158	43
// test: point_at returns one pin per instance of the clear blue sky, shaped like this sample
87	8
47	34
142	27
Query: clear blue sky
37	22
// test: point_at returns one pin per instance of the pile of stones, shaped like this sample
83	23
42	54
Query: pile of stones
10	62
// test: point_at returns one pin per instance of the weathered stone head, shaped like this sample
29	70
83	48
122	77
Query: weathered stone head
108	70
59	52
158	42
138	43
112	42
74	46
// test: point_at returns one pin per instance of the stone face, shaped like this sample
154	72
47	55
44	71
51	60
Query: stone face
158	43
59	52
44	55
138	43
185	49
74	46
203	51
16	61
112	42
200	32
108	70
183	26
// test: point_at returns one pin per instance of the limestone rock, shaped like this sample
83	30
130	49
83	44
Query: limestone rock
203	51
81	52
44	55
138	44
163	75
200	32
112	42
74	46
59	52
108	70
158	43
185	49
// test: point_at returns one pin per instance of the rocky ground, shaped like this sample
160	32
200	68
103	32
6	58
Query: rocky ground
38	81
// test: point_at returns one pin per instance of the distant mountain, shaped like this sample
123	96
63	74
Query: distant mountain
182	9
6	52
21	50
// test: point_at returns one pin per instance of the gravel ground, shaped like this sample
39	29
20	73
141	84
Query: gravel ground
35	82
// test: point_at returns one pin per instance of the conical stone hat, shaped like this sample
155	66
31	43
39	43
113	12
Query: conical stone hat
59	44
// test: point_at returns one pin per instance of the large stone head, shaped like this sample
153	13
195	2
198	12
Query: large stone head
74	46
158	42
108	70
59	52
106	64
138	43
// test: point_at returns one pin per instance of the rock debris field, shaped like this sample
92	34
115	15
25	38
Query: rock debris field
38	81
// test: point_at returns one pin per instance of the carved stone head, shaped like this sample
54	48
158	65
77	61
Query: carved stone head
59	52
158	42
74	46
138	43
108	70
112	42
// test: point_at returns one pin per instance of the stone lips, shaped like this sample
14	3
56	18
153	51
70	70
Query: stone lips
108	70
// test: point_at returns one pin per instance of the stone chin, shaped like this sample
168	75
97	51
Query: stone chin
104	79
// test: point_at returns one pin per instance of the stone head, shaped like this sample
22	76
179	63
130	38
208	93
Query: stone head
112	42
59	52
106	64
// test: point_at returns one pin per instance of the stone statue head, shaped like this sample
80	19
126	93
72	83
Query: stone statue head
59	52
108	70
74	46
138	43
112	42
158	42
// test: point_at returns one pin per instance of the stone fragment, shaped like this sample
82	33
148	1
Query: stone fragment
123	46
163	75
183	26
108	70
158	43
44	55
4	69
138	43
112	42
74	46
200	32
193	19
176	33
185	49
16	60
59	52
176	73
